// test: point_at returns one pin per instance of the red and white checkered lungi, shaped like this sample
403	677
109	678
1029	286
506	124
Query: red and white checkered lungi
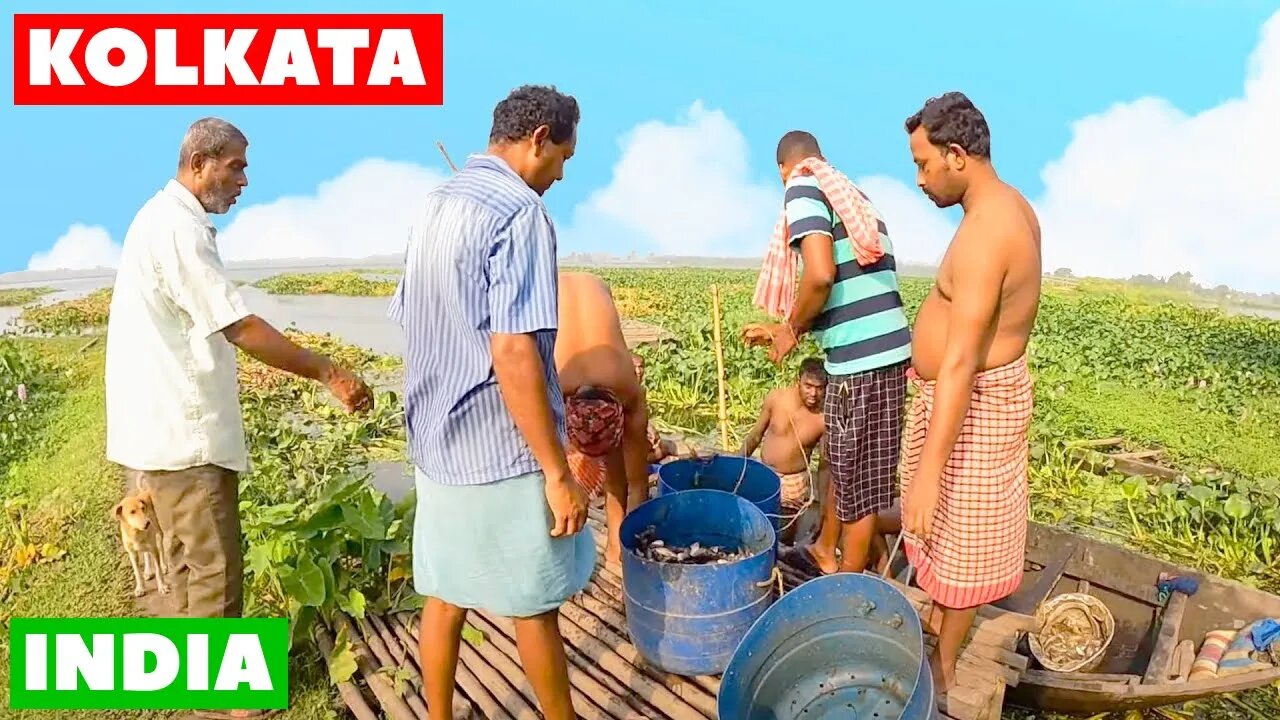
976	551
589	471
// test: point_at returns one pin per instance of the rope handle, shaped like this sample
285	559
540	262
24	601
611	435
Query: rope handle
892	554
774	577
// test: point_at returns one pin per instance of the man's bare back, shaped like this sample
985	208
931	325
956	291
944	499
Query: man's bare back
1001	229
590	346
591	352
787	448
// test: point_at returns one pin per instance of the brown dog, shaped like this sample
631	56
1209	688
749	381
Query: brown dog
141	534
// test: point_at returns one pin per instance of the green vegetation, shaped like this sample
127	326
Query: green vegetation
353	283
1107	361
1198	383
317	536
13	297
69	316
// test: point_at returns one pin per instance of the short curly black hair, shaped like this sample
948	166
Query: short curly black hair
953	118
813	367
529	106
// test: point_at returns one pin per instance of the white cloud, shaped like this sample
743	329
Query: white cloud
366	210
1146	188
684	188
1142	187
81	247
918	229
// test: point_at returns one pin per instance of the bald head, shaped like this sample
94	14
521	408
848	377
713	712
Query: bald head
211	138
796	146
212	162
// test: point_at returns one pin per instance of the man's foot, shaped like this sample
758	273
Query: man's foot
944	675
811	559
612	555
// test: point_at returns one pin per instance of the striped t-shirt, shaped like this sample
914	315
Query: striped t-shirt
481	259
863	325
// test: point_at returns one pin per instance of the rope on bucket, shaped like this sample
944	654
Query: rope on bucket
793	518
774	577
889	563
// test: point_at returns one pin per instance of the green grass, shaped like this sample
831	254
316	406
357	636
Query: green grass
350	283
70	489
13	297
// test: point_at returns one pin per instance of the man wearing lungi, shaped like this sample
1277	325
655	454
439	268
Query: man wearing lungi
848	292
605	408
498	511
964	474
789	428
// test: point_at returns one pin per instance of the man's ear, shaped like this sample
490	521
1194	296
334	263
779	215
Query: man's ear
541	136
957	156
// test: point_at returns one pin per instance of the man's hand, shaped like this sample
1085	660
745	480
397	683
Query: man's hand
349	389
784	341
919	506
755	335
568	504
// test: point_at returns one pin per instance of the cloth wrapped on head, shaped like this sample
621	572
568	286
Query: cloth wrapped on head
594	419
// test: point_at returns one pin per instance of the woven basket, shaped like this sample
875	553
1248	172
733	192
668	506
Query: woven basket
1073	633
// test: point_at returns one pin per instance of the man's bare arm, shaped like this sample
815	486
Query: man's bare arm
816	280
756	434
519	370
264	343
977	278
635	442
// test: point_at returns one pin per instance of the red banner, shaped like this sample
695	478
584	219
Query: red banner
226	59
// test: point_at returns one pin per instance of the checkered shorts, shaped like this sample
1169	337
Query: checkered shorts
863	414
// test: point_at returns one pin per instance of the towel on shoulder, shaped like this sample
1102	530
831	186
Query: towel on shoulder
776	286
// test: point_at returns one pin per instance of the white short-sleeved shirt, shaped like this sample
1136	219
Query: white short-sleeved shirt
172	393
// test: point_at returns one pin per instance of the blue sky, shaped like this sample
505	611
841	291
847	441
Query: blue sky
682	106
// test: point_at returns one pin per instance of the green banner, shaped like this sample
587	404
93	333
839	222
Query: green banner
148	663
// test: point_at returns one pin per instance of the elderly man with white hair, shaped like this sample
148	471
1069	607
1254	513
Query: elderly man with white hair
172	394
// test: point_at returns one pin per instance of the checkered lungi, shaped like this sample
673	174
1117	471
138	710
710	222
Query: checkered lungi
589	471
863	415
975	553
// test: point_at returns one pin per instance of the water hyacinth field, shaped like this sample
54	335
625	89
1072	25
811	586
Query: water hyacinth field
324	532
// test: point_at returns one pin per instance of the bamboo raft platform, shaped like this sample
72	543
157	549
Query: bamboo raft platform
609	679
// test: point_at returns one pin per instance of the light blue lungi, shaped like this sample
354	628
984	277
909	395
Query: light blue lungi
490	547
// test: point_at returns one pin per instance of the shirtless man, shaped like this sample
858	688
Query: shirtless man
964	476
605	412
790	426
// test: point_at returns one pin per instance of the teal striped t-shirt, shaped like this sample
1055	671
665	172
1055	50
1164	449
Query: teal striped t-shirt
863	325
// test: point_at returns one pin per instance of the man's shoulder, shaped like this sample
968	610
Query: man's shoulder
804	187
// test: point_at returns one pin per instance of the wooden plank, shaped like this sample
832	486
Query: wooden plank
965	703
1142	455
1102	463
989	670
1026	601
1167	640
1102	442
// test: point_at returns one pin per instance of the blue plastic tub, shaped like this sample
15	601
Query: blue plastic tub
688	619
754	480
847	645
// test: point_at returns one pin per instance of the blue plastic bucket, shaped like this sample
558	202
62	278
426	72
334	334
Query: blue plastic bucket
688	619
847	645
753	480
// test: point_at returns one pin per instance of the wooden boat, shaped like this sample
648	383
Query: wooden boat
1138	669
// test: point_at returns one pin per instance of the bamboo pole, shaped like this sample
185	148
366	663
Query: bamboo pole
719	346
440	146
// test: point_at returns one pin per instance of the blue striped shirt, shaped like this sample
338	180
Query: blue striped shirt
480	260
